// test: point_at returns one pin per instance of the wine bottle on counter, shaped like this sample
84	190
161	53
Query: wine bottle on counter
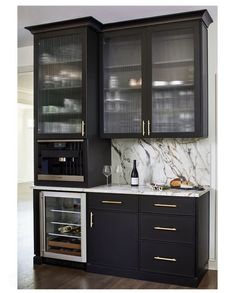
134	175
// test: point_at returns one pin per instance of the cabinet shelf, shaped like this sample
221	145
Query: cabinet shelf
58	115
64	235
61	88
61	223
123	66
121	89
60	62
65	211
173	87
172	62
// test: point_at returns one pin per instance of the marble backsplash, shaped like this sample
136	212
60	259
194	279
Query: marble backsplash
160	160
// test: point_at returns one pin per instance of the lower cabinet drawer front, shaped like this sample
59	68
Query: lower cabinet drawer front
115	202
167	205
167	228
172	258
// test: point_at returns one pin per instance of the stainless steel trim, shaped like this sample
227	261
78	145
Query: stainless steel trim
60	140
164	228
64	256
42	223
83	228
165	205
61	177
164	258
143	127
83	128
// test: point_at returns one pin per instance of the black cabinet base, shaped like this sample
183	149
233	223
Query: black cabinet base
38	260
148	276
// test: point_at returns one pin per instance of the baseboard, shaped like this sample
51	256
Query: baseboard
212	265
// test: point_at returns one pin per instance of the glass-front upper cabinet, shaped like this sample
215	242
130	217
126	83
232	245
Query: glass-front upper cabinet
60	90
122	84
173	94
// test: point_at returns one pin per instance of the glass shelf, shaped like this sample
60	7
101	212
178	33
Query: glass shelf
172	62
64	235
61	62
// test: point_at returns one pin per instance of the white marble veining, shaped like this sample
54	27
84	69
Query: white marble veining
127	189
160	160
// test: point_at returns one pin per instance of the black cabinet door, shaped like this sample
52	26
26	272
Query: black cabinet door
59	84
123	84
176	84
155	81
113	238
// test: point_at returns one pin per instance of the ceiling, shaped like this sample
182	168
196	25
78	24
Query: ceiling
33	15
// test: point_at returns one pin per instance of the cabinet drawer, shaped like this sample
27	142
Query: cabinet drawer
167	205
120	202
173	258
167	227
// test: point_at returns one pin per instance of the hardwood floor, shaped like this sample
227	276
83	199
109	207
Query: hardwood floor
56	277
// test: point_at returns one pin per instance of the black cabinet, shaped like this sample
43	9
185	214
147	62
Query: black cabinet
67	147
157	238
113	231
155	78
66	57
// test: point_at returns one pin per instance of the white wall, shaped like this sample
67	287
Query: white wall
25	114
25	142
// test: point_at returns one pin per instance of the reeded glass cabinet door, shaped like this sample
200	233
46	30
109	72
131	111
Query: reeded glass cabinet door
122	84
173	94
60	84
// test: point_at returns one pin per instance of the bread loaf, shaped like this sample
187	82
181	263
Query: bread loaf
175	182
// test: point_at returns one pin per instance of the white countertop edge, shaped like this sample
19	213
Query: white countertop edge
127	189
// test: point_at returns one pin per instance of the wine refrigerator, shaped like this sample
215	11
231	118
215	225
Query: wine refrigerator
63	225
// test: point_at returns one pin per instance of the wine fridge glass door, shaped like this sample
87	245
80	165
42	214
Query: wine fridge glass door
64	226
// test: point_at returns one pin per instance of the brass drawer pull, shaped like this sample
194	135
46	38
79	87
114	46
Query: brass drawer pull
164	258
91	220
143	128
164	205
164	228
111	201
83	128
148	127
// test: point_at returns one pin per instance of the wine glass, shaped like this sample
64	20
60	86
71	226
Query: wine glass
118	170
107	172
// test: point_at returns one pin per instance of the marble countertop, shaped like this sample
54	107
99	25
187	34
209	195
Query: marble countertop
127	189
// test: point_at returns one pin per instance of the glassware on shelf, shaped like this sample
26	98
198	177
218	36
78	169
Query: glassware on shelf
107	171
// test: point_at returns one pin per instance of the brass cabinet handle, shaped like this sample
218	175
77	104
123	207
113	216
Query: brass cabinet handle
91	220
164	205
164	258
111	201
143	128
164	228
148	127
83	128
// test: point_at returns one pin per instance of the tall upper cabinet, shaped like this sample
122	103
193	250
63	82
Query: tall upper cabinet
66	58
67	148
154	80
